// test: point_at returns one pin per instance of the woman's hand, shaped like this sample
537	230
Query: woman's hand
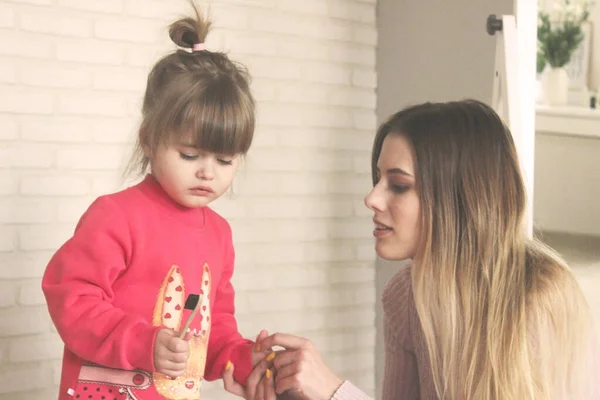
258	353
300	368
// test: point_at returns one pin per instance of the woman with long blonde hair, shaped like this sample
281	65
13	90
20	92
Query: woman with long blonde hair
483	312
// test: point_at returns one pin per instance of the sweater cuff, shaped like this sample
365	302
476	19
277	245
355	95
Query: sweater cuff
241	357
141	346
349	392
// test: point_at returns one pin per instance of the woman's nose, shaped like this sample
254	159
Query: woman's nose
374	199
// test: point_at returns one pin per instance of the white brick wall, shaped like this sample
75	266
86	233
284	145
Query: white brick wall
72	73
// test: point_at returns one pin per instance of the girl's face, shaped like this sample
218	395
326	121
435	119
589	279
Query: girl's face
395	200
192	177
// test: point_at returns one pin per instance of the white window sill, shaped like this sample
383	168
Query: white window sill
568	120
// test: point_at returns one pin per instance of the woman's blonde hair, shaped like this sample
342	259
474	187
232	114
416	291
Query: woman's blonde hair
195	95
502	315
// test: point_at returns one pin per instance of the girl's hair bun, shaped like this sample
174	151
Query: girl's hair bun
187	32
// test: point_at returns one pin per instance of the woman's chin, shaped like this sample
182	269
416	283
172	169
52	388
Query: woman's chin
391	252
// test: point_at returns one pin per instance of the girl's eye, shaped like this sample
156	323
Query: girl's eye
224	162
188	157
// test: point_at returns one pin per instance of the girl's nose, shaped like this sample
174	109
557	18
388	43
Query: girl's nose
206	168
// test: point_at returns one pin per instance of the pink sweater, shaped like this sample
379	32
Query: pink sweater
134	258
407	369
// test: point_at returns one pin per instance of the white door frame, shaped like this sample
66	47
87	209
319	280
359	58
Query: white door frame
526	16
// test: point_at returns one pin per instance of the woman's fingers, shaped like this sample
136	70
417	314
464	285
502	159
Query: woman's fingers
254	379
260	390
269	384
230	384
262	335
260	353
285	357
289	383
286	341
287	371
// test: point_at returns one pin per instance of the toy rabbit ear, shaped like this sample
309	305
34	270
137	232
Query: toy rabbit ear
168	310
205	314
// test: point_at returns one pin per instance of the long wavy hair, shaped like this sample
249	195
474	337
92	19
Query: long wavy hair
502	315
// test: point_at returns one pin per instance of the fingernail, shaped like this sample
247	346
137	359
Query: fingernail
228	366
270	357
257	346
268	373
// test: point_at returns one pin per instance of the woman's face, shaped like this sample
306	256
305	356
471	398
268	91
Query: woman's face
395	201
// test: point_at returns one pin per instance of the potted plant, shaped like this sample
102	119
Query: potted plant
559	34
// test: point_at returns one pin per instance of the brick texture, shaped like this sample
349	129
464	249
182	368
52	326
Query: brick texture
72	74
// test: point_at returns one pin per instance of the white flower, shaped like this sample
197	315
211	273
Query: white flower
556	13
568	10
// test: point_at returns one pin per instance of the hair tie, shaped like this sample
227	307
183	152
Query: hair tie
198	47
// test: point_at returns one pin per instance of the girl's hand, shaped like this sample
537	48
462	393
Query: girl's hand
170	353
301	369
260	383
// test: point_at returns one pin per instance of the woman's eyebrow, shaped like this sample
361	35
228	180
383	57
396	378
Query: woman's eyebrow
398	171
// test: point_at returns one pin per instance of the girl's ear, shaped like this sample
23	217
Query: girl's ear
147	151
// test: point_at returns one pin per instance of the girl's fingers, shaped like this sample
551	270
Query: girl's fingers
176	345
230	384
177	358
173	373
188	335
170	366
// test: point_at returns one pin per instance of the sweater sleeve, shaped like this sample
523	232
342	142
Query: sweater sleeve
226	343
78	285
401	378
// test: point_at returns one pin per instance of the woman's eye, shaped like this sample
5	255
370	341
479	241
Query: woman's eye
224	162
399	188
188	156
